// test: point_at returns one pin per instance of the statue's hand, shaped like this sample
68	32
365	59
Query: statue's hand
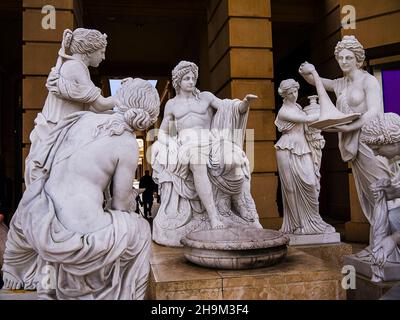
116	102
250	97
306	68
52	82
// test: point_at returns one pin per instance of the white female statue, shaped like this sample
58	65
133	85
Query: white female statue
298	173
70	87
356	92
61	239
382	135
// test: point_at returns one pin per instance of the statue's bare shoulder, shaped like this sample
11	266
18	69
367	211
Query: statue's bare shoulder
206	95
170	107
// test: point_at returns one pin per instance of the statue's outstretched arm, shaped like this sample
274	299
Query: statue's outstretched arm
245	104
215	102
296	117
305	71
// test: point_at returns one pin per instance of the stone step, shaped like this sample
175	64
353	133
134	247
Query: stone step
392	294
18	295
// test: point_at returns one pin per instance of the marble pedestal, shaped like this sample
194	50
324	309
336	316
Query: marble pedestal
391	271
365	288
332	253
368	290
298	276
298	240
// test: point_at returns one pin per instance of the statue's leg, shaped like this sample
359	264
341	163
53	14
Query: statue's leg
204	190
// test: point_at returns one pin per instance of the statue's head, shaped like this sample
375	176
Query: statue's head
349	53
382	135
87	42
140	103
185	69
288	89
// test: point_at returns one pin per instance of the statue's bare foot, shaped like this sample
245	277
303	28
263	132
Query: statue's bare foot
216	224
30	287
329	229
11	282
299	231
246	215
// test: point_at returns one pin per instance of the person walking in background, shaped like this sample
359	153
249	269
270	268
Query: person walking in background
150	186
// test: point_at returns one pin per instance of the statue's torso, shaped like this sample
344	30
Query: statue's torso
353	93
293	133
192	114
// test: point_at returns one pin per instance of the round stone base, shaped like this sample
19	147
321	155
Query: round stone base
235	248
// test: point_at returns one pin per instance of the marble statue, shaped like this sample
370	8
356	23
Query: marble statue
357	92
382	135
70	87
298	154
3	238
61	227
199	163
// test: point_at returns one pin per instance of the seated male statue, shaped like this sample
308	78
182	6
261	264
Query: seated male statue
382	135
202	170
61	239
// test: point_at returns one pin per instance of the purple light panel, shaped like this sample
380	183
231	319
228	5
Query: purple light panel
391	90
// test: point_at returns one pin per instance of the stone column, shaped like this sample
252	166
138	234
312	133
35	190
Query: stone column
240	61
40	50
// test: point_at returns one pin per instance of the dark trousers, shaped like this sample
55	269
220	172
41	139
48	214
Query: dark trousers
147	209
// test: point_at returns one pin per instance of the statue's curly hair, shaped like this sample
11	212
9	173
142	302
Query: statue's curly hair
381	130
180	70
83	41
139	109
140	103
286	85
351	43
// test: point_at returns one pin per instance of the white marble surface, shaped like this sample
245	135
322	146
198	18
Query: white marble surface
324	238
